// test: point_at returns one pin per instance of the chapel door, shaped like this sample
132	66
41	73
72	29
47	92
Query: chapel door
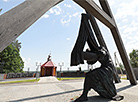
49	72
42	72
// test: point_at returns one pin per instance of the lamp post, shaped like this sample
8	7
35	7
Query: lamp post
28	70
61	64
37	67
68	69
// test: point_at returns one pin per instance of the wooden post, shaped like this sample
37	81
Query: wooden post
119	43
14	22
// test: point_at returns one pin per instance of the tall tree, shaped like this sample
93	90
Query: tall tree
11	59
17	44
134	58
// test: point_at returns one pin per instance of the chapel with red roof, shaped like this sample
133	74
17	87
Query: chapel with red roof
48	68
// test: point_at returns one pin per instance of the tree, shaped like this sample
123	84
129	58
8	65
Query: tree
11	59
17	44
134	58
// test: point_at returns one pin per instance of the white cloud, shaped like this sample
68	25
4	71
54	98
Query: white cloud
56	10
27	63
130	30
51	10
124	20
126	14
67	5
5	0
127	9
68	38
45	16
66	19
75	14
131	45
29	59
111	2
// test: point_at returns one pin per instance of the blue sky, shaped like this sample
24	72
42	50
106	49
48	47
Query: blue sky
56	31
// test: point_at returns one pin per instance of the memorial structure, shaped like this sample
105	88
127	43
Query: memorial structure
14	22
99	79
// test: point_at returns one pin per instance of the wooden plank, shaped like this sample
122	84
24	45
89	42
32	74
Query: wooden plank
123	55
14	22
92	8
119	43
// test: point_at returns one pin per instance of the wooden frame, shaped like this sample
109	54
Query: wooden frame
106	17
14	22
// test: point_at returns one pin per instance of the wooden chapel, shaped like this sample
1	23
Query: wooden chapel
48	68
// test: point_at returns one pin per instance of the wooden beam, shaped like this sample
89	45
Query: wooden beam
123	55
92	8
119	43
14	22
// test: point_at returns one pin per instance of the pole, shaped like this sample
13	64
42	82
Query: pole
61	64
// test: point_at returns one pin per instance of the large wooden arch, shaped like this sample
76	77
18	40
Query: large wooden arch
14	22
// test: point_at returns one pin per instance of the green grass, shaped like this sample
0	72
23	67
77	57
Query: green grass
20	81
70	78
124	78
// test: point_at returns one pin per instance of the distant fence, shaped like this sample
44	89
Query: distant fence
71	74
16	75
19	75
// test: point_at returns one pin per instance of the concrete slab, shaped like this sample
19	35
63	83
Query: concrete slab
61	91
48	79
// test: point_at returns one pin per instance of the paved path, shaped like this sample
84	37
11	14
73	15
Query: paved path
62	91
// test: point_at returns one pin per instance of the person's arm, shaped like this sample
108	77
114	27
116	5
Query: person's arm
89	56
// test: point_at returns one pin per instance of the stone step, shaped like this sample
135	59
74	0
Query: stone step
48	79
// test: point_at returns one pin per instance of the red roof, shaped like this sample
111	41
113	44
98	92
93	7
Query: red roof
49	64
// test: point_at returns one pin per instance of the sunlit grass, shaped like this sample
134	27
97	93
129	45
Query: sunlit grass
70	78
124	78
20	81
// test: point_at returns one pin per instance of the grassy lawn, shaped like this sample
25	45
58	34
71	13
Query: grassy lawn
20	81
72	78
124	78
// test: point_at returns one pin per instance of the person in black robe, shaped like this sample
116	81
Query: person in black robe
99	79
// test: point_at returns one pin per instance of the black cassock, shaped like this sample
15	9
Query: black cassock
85	35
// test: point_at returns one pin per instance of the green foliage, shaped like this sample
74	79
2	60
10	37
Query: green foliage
13	63
17	44
134	58
72	78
